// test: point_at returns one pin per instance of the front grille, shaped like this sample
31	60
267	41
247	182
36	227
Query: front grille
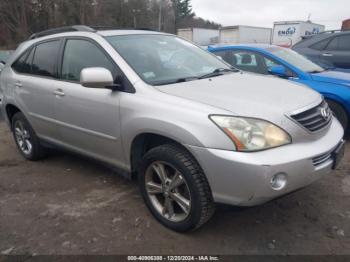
319	160
315	118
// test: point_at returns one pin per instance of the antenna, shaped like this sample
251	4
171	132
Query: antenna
309	17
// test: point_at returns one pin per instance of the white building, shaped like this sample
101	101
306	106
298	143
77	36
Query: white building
200	36
288	33
245	34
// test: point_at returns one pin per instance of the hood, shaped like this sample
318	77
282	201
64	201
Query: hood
334	77
247	94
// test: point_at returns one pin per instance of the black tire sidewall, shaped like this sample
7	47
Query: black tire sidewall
340	113
161	154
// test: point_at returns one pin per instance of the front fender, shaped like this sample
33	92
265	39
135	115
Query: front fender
184	122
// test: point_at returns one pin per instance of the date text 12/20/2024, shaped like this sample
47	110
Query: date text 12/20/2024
173	258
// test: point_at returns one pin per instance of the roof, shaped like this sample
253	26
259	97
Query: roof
258	46
128	32
104	31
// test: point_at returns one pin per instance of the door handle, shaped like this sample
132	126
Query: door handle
18	84
327	54
59	92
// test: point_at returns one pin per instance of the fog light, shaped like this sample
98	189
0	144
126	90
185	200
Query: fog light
279	181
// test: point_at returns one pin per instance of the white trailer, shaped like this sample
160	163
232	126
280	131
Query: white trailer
245	34
200	36
288	33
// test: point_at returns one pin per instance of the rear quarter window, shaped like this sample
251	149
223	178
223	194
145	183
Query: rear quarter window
23	63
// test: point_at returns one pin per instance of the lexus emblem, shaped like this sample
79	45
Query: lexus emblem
325	113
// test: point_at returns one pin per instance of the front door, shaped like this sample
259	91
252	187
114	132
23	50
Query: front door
88	118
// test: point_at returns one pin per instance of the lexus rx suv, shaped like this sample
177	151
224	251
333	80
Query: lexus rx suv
192	130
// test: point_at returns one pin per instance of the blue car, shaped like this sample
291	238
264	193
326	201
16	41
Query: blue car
286	63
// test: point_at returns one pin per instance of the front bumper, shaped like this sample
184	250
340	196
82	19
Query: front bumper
243	179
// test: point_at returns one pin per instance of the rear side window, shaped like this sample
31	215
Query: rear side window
344	43
340	43
320	45
19	65
45	58
80	54
333	45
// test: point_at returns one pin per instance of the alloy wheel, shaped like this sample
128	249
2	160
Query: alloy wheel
168	191
23	138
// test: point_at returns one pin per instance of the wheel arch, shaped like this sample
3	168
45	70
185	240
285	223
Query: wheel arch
11	110
144	142
338	100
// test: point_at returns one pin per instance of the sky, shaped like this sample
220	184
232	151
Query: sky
263	13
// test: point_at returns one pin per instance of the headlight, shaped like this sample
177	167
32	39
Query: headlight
249	134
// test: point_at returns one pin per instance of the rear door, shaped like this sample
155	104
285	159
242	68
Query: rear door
35	83
88	118
337	51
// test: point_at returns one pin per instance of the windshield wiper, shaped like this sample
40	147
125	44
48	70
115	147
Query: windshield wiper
316	71
218	72
178	80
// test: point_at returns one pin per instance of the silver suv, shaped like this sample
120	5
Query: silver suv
193	130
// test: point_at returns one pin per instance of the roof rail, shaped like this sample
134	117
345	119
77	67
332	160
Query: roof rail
102	28
331	31
74	28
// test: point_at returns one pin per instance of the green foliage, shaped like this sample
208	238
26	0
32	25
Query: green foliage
20	18
183	8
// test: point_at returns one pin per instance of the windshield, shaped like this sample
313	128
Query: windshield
295	59
165	59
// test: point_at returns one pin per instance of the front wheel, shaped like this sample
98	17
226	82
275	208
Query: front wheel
175	188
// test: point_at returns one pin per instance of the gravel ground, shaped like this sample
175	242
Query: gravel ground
67	204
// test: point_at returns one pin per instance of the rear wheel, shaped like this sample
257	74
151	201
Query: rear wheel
340	113
26	140
175	188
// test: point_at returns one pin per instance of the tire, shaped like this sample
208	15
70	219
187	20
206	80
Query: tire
23	134
340	113
180	166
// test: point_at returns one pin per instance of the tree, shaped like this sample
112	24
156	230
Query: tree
182	9
20	18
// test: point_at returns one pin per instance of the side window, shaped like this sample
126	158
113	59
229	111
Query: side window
320	45
44	61
80	54
270	63
344	43
249	61
27	65
18	66
245	59
333	45
226	56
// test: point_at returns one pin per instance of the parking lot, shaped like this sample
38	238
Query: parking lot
67	204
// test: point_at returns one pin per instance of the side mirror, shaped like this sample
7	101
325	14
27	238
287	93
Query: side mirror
278	70
96	77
